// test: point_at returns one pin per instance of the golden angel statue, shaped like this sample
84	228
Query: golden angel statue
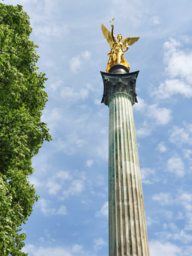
117	47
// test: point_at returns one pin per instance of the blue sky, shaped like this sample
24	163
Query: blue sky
71	174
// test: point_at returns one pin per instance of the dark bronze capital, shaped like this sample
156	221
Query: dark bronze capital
119	83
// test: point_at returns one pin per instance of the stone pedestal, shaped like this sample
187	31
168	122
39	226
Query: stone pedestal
127	223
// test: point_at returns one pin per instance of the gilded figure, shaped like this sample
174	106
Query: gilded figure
118	47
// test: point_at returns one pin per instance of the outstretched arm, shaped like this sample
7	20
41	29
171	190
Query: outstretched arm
127	48
112	34
125	45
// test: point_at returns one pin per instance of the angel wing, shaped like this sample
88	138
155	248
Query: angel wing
107	35
129	40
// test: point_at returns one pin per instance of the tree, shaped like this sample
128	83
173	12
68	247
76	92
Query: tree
22	133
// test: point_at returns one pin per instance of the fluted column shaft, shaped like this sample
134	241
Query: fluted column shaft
127	223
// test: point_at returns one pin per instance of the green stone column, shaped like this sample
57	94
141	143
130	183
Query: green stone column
127	222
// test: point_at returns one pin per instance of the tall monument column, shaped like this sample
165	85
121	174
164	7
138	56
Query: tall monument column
127	223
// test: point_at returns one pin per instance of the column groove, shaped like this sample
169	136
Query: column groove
127	224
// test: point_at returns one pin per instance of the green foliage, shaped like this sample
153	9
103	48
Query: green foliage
22	133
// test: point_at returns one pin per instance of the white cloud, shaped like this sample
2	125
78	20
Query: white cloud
181	136
40	163
140	106
168	214
47	7
50	30
137	11
187	39
144	130
178	62
86	55
52	117
99	243
177	235
187	154
21	1
182	236
62	210
89	162
76	63
162	116
151	221
75	188
185	198
158	249
181	198
54	86
63	175
176	166
97	102
161	147
171	87
35	182
155	20
58	251
43	204
178	67
163	198
77	248
53	187
148	176
80	143
155	115
54	184
103	211
54	114
73	93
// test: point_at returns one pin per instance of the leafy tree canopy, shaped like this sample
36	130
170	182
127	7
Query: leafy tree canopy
22	133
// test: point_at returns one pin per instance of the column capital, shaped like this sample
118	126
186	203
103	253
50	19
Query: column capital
119	83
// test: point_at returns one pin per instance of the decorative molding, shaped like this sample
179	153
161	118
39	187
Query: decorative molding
117	94
119	83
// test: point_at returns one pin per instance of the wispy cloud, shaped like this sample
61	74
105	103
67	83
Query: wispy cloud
163	198
155	20
43	204
75	187
77	63
161	147
99	243
181	198
181	135
68	92
154	116
151	221
161	116
158	248
175	165
148	176
172	87
103	211
59	251
89	163
178	69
